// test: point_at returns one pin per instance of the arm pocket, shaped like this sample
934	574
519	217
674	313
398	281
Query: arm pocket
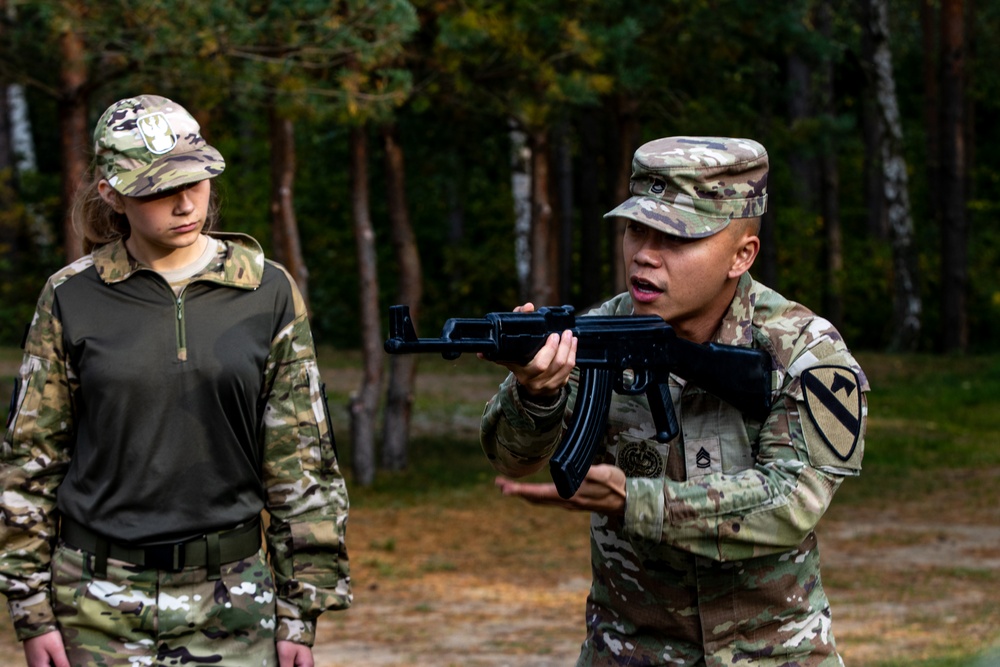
26	400
15	402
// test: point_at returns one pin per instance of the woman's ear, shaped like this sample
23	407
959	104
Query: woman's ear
111	196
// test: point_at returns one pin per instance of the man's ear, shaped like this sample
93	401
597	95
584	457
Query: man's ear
747	249
110	195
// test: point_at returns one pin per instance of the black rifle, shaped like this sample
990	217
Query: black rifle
630	354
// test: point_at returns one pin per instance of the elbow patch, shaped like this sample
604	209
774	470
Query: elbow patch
835	424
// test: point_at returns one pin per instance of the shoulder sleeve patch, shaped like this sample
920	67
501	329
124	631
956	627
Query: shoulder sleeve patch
835	426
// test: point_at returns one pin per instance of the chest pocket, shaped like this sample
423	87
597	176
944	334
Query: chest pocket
714	436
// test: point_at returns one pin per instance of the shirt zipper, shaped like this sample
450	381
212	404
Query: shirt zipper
181	331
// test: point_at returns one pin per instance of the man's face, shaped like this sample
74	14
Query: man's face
687	282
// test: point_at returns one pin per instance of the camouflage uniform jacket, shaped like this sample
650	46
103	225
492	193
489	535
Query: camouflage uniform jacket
155	418
715	561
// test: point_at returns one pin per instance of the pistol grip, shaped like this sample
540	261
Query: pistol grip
661	405
569	465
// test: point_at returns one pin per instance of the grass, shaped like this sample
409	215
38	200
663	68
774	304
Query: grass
933	411
988	659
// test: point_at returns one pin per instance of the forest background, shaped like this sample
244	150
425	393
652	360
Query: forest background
458	155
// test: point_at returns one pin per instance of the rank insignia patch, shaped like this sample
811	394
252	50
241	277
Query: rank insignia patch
833	400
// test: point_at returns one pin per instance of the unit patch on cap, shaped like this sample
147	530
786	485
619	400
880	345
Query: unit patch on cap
833	400
157	133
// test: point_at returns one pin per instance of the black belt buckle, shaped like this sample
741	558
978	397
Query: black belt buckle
168	557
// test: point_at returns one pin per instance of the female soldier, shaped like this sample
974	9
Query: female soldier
169	393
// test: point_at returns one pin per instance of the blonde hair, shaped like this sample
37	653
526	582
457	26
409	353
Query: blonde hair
99	224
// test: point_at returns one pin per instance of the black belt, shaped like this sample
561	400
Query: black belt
208	551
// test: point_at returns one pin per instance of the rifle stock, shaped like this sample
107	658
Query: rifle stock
627	354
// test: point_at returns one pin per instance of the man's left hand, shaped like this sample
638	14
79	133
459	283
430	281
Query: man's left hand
602	491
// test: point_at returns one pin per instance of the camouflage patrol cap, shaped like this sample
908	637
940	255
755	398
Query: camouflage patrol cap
693	186
149	144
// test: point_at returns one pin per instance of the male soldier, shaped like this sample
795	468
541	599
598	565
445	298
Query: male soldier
703	550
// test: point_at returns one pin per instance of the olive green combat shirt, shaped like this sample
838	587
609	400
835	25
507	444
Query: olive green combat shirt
715	561
154	418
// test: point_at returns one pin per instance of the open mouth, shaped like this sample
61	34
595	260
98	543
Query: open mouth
640	285
643	290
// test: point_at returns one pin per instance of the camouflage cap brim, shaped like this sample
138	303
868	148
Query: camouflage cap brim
170	171
670	219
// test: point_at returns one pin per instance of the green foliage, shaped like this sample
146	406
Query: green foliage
27	252
453	73
211	52
521	60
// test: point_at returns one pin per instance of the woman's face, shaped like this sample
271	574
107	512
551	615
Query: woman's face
165	227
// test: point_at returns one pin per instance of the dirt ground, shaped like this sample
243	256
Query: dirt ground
504	583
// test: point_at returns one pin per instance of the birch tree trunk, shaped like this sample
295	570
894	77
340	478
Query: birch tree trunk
954	224
284	227
6	127
520	187
18	148
872	129
364	402
22	145
402	367
907	304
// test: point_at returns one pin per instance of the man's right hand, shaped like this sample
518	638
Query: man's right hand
46	650
548	372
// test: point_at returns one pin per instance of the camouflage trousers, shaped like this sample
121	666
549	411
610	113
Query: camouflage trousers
151	617
611	650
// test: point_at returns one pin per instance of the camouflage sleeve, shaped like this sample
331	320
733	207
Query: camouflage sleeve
306	495
770	507
518	436
33	460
